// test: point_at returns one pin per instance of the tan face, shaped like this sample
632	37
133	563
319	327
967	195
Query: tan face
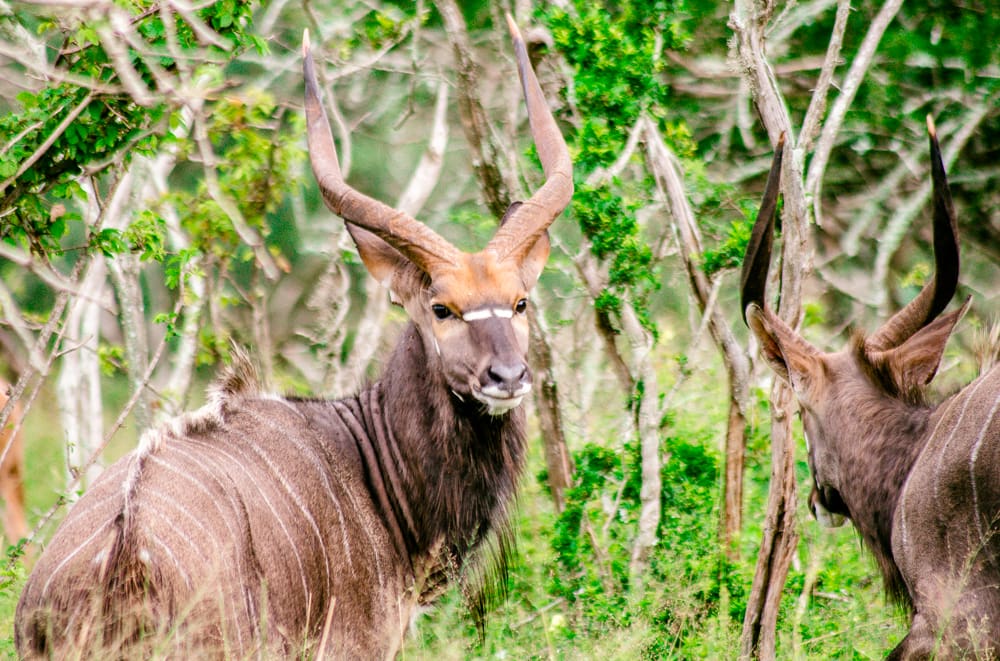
478	325
472	315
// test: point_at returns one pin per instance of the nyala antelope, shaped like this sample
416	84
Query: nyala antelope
281	526
920	482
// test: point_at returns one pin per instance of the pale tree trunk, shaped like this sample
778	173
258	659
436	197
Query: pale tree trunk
192	293
647	416
639	382
758	640
669	181
124	271
78	387
557	457
635	373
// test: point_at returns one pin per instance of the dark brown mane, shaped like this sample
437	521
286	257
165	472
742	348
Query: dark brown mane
470	516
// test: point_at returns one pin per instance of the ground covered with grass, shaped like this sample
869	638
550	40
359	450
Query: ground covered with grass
570	593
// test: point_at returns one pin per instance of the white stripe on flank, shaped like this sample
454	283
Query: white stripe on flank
252	479
169	552
213	468
70	556
972	468
959	430
286	483
958	424
486	313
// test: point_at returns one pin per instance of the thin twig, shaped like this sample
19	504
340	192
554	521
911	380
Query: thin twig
601	176
817	104
247	234
852	82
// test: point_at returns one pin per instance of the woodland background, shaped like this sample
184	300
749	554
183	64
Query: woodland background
156	204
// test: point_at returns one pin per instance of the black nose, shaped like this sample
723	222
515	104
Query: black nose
506	376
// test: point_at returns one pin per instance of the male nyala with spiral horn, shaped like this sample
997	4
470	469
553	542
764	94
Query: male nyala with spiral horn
276	526
920	482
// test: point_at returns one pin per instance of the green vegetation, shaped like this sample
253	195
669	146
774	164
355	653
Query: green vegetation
239	245
570	596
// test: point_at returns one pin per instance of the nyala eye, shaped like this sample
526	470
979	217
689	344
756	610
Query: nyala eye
521	306
441	311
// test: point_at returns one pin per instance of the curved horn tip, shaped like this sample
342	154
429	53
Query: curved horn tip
931	128
515	33
750	309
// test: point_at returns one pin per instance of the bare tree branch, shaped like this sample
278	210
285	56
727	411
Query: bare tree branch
129	77
758	640
848	89
485	154
247	234
45	272
601	176
817	104
670	185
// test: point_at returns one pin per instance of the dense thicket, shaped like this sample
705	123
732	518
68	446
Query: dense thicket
155	204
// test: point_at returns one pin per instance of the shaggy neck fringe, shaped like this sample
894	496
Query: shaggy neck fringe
458	469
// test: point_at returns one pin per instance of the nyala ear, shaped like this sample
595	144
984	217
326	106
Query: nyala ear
386	264
791	357
916	361
535	261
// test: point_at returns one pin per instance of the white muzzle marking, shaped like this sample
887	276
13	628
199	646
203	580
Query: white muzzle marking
499	401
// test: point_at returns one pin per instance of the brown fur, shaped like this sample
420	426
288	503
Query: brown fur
424	480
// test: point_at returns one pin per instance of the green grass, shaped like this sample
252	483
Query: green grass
689	605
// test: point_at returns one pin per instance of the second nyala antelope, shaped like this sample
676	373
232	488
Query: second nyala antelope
267	525
920	482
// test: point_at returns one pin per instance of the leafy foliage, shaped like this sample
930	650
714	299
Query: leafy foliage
593	534
616	62
42	158
572	595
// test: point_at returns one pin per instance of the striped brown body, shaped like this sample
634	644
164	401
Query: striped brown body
247	524
271	526
920	482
